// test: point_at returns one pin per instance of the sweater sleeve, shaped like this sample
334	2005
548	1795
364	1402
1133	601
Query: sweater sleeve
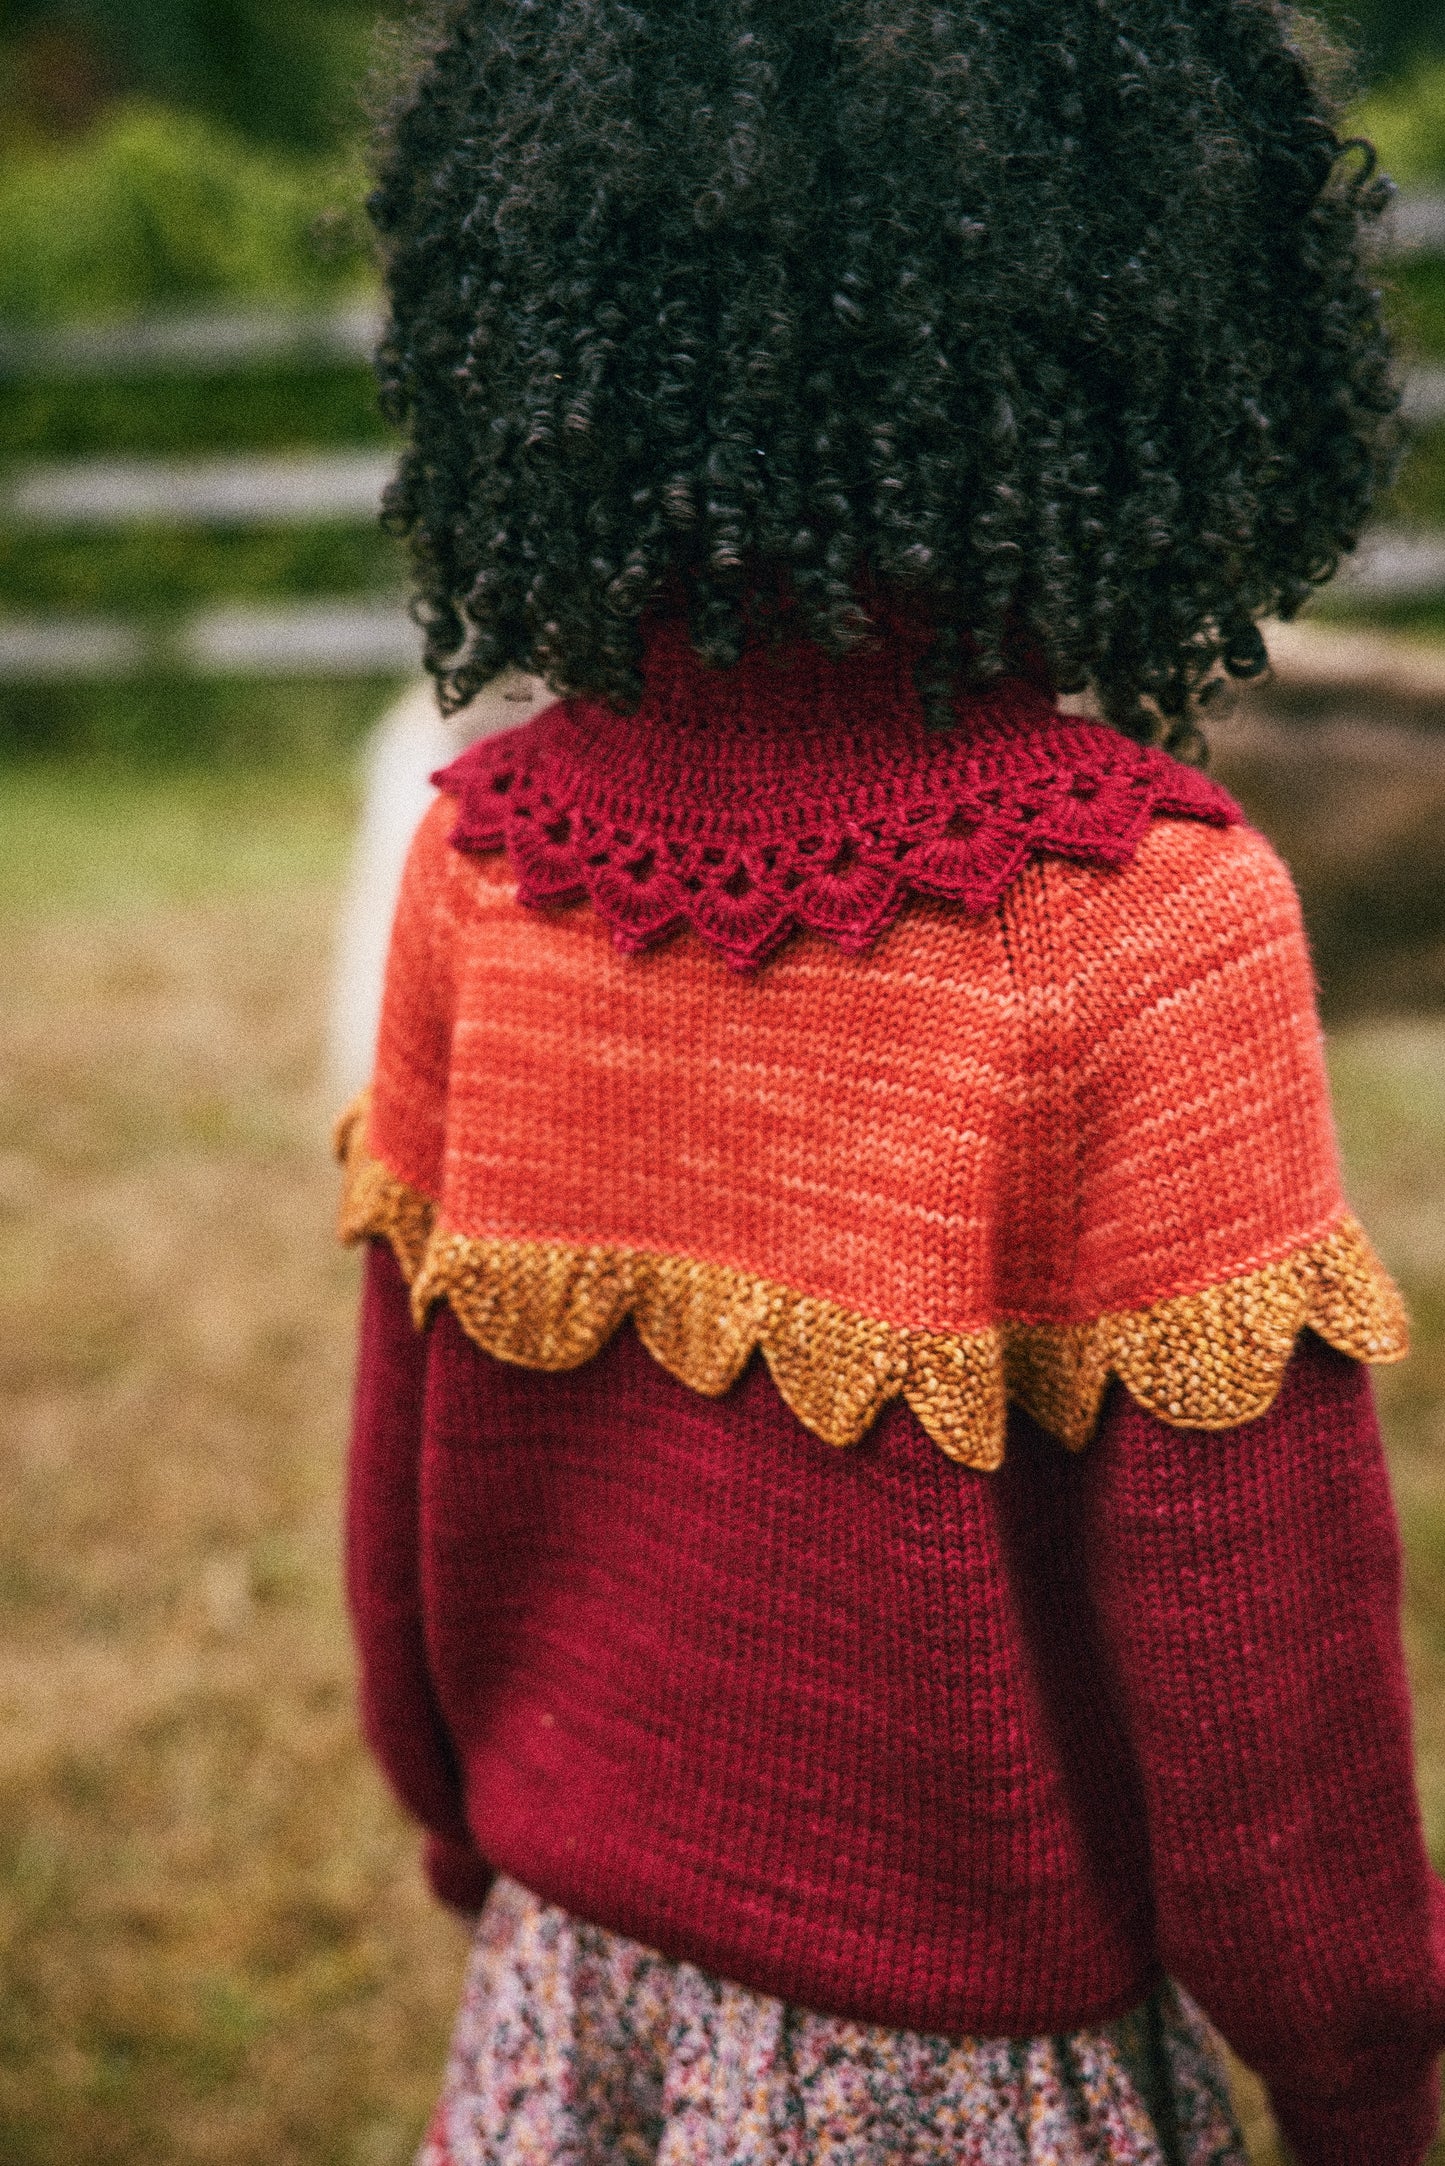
1248	1588
399	1709
1206	1144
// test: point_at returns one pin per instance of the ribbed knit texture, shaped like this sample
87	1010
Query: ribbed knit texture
951	1752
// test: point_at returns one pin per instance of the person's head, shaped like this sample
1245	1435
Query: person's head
1051	318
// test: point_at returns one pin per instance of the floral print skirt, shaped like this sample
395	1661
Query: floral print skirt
577	2048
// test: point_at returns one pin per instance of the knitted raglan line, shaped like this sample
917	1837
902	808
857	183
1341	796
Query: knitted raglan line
1206	1360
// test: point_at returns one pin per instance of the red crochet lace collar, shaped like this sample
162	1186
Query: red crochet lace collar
796	791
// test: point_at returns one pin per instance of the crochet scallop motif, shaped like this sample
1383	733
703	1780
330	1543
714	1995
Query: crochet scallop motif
750	833
372	1201
1207	1360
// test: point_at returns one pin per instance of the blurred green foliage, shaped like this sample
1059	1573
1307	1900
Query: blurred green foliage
1418	498
154	572
1405	120
1416	616
282	409
1388	35
179	723
286	71
283	72
154	209
245	185
1416	291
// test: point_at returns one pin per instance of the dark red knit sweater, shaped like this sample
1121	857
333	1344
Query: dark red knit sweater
961	1752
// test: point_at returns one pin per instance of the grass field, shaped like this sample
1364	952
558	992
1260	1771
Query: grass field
214	1945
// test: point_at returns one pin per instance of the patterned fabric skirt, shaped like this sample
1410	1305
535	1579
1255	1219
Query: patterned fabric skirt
577	2048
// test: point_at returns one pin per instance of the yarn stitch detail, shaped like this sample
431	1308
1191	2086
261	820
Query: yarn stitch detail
372	1201
1205	1360
774	815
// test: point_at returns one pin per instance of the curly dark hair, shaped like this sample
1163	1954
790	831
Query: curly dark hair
1055	321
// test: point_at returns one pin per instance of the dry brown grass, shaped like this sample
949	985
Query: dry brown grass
214	1943
214	1947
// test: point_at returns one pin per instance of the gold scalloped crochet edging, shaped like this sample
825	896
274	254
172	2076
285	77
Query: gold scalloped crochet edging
1213	1359
1209	1360
372	1202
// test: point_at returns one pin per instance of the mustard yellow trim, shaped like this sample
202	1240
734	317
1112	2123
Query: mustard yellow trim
372	1202
1216	1358
1205	1361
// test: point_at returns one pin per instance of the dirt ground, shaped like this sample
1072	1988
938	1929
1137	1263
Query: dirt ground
214	1945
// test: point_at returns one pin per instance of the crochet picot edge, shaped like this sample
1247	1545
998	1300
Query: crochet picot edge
1206	1360
1082	792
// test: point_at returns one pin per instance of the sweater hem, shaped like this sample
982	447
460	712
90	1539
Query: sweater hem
819	1988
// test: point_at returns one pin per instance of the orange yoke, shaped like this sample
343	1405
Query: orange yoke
1085	1133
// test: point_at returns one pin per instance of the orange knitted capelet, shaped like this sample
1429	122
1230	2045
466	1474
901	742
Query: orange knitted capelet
972	1068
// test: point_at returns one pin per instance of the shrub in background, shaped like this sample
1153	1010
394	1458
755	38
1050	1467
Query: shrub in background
1389	35
1406	121
283	72
154	209
201	724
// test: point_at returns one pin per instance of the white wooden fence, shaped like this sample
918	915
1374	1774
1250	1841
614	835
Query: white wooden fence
359	635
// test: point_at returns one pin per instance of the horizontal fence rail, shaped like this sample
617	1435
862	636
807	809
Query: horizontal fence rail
298	486
367	634
365	637
303	639
345	638
43	650
372	637
210	345
257	491
1425	395
1395	564
1416	225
